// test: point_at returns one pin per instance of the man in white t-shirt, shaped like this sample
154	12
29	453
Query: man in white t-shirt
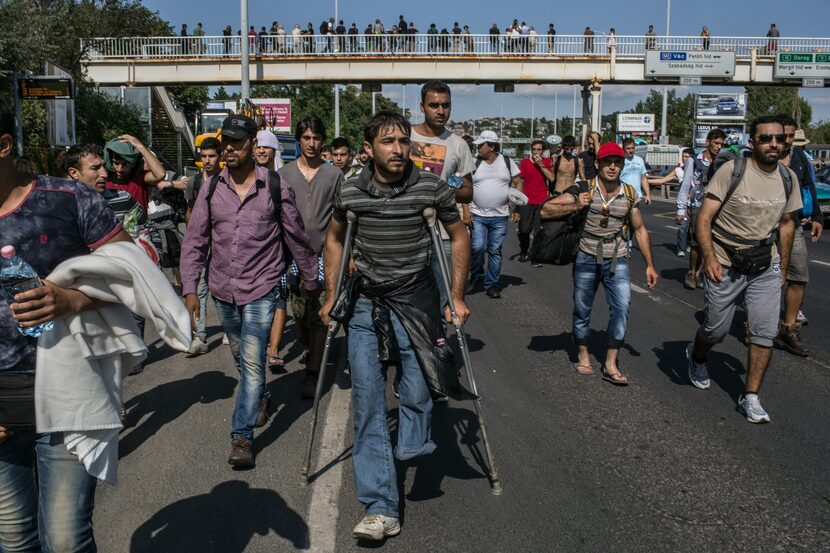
436	149
488	214
634	173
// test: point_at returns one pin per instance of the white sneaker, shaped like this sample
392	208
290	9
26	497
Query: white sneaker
225	341
801	318
197	347
698	373
750	406
376	528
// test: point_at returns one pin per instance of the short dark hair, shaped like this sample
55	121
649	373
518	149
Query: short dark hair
341	142
689	151
537	141
384	120
326	148
786	120
312	123
439	87
627	141
763	120
211	143
7	123
714	134
76	153
569	141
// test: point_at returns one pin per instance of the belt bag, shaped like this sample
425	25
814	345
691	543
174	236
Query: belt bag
749	261
17	399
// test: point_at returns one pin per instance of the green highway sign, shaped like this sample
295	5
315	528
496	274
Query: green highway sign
801	66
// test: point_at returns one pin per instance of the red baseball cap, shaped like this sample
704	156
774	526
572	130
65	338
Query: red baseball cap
610	149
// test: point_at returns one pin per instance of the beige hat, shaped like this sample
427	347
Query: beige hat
800	139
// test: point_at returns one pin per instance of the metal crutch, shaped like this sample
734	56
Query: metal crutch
351	218
429	215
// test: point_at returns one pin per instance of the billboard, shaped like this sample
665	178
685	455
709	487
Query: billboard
276	112
635	122
725	106
735	135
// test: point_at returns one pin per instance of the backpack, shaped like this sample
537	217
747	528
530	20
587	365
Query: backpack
506	163
556	242
757	257
276	198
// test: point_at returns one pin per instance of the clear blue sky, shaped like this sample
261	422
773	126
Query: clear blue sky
803	18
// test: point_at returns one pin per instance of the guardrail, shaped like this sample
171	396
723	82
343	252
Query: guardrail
432	45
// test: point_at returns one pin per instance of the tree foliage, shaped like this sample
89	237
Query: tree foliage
355	106
681	114
767	100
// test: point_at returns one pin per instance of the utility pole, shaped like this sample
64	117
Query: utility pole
337	86
532	115
664	137
555	109
243	48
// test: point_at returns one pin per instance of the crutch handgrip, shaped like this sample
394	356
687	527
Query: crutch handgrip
351	217
429	215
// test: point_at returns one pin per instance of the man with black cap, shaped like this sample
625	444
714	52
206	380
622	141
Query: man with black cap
611	210
246	217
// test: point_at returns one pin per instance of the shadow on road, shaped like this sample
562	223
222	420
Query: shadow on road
597	344
167	402
677	274
724	369
221	521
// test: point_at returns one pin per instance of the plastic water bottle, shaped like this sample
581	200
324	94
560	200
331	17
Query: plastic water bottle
17	276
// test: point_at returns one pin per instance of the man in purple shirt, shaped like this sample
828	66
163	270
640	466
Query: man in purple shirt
246	238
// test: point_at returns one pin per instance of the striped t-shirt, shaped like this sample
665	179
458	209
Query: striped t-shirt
392	239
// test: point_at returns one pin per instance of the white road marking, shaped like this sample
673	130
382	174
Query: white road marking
325	489
826	264
641	290
670	227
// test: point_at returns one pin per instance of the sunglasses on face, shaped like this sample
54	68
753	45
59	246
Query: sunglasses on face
767	138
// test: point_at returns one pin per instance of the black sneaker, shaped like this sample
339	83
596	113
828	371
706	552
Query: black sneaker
523	258
493	293
309	385
474	285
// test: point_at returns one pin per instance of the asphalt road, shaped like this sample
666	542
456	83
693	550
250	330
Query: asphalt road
586	466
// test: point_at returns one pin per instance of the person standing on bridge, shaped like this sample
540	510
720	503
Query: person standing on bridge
391	251
588	40
773	34
747	201
245	217
314	183
651	38
611	213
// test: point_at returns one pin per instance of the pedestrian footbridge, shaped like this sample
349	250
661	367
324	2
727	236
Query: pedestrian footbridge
416	58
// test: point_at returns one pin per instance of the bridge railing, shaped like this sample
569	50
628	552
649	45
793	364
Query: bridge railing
445	46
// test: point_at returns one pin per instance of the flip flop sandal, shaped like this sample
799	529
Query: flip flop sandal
616	379
276	362
584	370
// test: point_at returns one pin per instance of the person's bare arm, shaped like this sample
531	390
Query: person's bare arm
332	256
581	167
518	183
540	163
703	233
644	243
671	177
51	302
786	233
460	244
155	173
646	188
464	195
564	205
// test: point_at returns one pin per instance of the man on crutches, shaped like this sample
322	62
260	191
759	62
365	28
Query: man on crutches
396	313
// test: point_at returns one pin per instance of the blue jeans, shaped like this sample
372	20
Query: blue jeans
374	464
683	235
247	327
46	496
488	235
202	294
587	276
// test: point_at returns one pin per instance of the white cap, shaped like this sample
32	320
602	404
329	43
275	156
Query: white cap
486	136
268	140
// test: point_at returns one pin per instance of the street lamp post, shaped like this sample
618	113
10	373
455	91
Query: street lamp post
243	48
337	86
532	115
501	124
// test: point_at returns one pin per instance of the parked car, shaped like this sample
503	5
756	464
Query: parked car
823	174
727	105
823	196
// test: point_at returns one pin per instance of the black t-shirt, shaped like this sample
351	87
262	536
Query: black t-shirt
589	158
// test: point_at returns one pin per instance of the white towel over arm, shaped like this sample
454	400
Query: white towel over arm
82	360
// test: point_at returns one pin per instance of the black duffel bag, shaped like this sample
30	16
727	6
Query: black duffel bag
556	242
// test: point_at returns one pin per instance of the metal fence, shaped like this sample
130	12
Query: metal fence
435	45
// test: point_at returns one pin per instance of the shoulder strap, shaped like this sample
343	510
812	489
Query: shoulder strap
478	163
275	188
737	175
507	164
788	181
211	189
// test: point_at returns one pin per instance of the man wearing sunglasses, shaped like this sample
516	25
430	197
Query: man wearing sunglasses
611	212
736	228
